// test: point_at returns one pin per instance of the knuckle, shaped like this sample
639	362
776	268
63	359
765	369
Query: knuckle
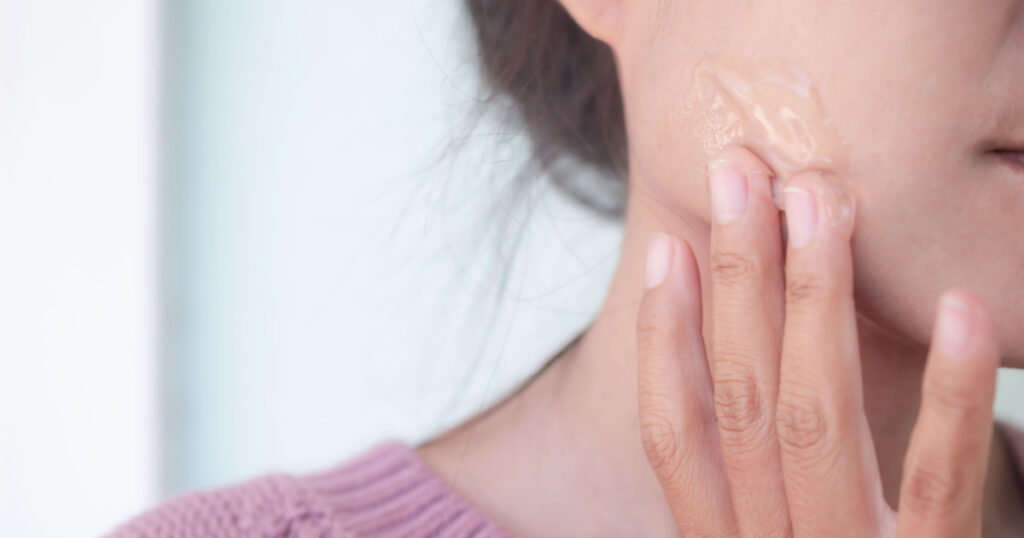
805	288
742	412
929	491
731	267
950	395
801	424
661	442
656	330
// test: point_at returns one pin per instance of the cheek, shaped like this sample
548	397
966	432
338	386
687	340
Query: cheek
927	217
931	214
895	249
662	161
928	228
770	106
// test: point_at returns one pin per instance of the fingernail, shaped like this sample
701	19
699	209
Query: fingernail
954	332
839	206
659	259
728	191
801	215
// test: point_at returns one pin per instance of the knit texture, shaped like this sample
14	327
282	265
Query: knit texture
386	491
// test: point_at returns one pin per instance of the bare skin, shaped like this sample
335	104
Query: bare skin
565	457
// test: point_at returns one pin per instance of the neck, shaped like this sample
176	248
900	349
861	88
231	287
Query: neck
575	427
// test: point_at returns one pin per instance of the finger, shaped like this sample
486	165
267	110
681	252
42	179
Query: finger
747	315
944	470
831	474
677	421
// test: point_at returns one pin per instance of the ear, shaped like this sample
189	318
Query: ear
601	19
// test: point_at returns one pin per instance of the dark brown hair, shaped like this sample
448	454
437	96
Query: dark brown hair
564	88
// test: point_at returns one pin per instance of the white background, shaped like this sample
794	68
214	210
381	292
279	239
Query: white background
332	263
77	264
335	255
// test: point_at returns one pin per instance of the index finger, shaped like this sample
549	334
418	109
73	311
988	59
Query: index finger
831	472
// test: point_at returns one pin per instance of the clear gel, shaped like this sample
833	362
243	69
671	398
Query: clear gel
772	108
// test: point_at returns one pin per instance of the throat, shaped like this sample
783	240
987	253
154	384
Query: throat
561	457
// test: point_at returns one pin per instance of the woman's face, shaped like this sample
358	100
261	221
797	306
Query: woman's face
927	98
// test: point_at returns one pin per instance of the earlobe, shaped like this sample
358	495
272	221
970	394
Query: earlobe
599	18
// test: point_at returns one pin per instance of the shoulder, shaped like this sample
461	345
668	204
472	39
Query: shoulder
385	491
271	505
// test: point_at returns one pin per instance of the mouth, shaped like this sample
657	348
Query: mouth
1009	152
1012	157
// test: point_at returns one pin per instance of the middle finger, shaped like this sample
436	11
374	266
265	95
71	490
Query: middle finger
828	458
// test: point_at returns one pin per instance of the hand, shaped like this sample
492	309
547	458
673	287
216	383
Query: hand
763	433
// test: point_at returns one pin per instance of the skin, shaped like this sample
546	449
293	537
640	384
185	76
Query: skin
723	380
767	435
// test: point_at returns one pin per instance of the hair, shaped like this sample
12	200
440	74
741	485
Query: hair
563	87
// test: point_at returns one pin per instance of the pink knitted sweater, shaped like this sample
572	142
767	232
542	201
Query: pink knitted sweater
385	492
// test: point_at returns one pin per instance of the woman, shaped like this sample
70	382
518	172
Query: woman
824	371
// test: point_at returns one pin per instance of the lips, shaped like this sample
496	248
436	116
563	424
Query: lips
1007	148
1013	157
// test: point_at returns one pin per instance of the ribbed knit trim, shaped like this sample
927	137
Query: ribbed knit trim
389	491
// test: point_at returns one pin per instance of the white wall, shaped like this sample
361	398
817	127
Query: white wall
1010	396
77	262
324	268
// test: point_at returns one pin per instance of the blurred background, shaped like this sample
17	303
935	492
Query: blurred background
239	237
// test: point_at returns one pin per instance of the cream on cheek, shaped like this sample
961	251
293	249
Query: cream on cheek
772	108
